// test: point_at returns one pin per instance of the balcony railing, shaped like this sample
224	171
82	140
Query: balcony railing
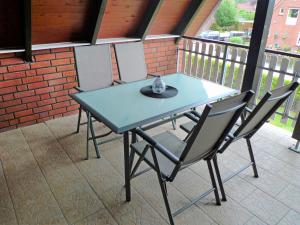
225	63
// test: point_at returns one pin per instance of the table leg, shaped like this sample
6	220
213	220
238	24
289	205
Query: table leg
127	165
88	133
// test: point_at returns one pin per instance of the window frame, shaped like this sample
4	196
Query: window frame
292	21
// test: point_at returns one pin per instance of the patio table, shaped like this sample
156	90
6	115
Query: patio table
123	108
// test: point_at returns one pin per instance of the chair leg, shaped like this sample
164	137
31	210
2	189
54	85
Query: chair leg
162	187
213	182
79	119
252	157
215	161
173	123
94	138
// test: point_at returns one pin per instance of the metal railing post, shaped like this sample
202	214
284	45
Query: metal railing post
223	71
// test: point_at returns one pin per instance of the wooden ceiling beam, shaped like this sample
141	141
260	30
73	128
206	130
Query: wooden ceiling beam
27	6
149	17
98	21
188	17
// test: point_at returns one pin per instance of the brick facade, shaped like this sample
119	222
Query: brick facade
282	35
35	92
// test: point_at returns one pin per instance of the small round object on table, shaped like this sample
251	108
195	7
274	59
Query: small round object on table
168	93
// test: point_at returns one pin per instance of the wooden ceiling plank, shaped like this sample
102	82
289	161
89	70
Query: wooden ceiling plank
188	17
150	15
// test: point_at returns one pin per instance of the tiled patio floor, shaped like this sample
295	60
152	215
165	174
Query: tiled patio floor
44	179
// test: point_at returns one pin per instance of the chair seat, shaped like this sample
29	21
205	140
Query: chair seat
170	142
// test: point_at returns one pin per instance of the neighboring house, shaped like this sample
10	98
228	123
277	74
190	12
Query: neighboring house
284	31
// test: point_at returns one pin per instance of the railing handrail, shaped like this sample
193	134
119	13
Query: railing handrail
267	50
216	42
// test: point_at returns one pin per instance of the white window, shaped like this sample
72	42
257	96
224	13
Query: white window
298	40
281	11
292	17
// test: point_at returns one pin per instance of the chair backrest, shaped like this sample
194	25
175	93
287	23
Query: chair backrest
214	125
131	61
94	67
265	108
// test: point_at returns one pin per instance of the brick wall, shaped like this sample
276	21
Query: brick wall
35	92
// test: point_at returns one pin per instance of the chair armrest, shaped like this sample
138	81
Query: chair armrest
157	146
195	113
191	117
78	89
247	109
152	75
119	82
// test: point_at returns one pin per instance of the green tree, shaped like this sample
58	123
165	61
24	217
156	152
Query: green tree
226	14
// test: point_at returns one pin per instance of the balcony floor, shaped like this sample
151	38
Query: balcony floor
44	179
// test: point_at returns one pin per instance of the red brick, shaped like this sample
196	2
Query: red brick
71	79
14	75
29	118
8	97
58	93
7	117
63	98
37	85
3	69
2	111
33	79
61	49
46	102
58	62
13	122
16	108
23	113
64	55
44	119
57	111
11	61
46	70
44	57
52	76
65	68
24	94
7	90
70	85
31	105
44	96
57	81
73	107
22	87
10	103
3	125
69	73
44	114
40	64
19	67
31	99
44	90
7	55
30	72
58	87
39	52
9	83
61	104
42	109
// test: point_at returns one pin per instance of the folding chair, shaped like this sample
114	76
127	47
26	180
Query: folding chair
167	154
131	63
94	71
252	121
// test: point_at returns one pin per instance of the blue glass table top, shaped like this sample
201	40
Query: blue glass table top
123	107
